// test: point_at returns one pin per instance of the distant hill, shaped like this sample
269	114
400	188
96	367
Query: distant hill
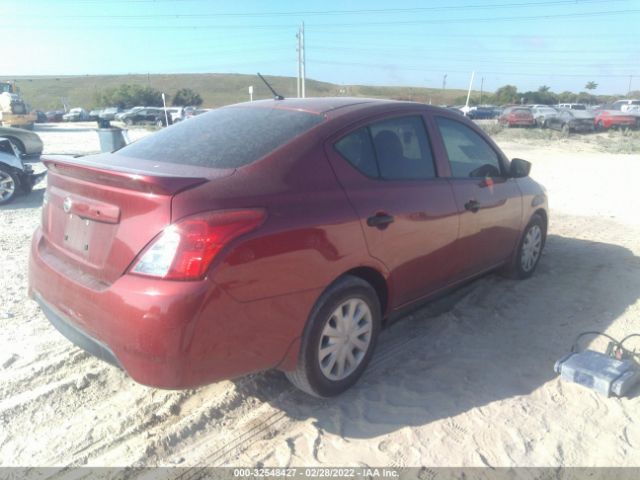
48	93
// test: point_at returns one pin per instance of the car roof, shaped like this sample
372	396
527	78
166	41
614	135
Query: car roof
322	105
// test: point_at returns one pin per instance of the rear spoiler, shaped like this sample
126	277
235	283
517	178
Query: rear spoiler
131	180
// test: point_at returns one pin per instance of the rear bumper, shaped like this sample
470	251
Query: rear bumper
75	335
166	334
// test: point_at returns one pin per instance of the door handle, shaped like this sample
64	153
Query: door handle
380	220
472	206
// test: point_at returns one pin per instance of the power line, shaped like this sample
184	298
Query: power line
482	6
355	25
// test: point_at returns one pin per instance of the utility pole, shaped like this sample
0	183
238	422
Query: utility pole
481	85
299	51
629	90
302	62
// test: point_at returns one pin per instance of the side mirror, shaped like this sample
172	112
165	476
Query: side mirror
519	168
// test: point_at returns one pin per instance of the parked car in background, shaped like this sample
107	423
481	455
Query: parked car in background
148	115
16	176
109	113
572	121
176	113
41	117
118	116
27	142
76	115
542	113
606	119
194	112
54	116
276	234
626	105
94	115
573	106
516	117
482	112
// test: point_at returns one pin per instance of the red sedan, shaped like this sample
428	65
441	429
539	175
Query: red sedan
276	234
517	117
606	119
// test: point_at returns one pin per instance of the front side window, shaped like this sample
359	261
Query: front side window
469	154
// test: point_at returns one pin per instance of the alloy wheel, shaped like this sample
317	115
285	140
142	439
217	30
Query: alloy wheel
7	186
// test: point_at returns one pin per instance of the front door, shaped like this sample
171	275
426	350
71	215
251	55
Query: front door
488	201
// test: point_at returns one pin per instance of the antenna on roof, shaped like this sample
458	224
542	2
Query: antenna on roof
275	95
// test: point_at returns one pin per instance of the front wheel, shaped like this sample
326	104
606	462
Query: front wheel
600	126
9	184
339	338
529	250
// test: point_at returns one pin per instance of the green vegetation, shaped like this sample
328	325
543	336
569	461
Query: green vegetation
185	97
48	93
129	96
509	94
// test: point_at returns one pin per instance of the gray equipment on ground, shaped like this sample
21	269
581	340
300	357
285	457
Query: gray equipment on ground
111	138
599	372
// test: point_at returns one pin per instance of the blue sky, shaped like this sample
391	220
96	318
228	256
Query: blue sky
528	43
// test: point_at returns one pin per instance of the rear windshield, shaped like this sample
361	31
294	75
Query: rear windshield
224	138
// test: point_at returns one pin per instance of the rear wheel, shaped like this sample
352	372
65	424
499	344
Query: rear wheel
9	184
339	338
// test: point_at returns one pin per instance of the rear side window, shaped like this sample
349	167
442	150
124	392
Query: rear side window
469	154
224	138
358	150
394	149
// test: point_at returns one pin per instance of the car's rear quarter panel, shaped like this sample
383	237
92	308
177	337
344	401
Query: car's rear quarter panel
275	274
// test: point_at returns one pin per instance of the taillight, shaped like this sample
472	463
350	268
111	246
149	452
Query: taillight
185	250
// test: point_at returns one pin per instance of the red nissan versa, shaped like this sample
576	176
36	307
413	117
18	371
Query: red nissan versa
276	234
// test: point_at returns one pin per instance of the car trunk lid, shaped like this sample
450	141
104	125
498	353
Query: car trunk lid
100	212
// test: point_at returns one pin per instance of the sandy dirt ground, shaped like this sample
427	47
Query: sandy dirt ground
467	381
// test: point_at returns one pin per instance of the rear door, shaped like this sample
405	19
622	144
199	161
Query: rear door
408	214
488	202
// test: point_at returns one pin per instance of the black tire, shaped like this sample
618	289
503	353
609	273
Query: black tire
517	269
308	375
7	175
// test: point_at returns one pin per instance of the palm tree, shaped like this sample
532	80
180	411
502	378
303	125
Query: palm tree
591	85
